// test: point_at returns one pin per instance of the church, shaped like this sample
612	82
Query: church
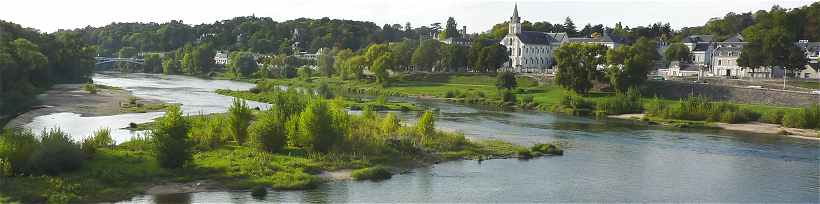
532	52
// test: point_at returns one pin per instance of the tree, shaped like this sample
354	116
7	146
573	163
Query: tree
153	63
569	27
339	61
677	52
202	59
630	65
316	127
403	53
375	51
576	65
453	57
380	68
390	124
493	57
505	80
188	64
426	55
242	64
173	148
127	52
239	118
268	132
170	65
451	29
326	62
354	66
795	60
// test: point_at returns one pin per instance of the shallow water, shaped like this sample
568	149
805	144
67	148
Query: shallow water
196	96
604	161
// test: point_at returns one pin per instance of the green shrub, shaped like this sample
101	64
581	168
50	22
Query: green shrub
5	168
239	118
16	147
259	192
209	132
507	96
656	107
268	132
547	149
90	88
390	124
621	103
56	153
426	125
376	173
324	91
172	146
316	128
772	117
450	94
524	154
572	103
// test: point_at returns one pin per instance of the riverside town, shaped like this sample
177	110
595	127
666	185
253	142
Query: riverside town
447	101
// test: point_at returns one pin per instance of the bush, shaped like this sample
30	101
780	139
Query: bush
524	154
324	91
16	147
209	132
259	192
621	103
5	168
56	153
772	117
390	124
90	88
372	173
316	128
268	132
572	103
173	149
507	96
239	118
505	80
426	125
547	149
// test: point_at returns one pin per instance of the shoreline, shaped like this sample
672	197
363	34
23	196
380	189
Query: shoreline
751	127
73	99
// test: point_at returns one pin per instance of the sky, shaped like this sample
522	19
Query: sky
477	15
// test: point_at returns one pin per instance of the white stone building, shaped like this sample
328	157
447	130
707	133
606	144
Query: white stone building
531	51
221	58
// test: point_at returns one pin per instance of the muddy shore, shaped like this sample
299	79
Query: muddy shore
72	98
751	127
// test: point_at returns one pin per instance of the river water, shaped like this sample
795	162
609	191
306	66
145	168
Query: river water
604	160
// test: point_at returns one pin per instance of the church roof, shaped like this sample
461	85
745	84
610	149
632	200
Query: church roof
532	37
701	47
735	38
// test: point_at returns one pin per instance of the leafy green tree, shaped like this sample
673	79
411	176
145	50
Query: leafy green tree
354	67
795	60
451	29
188	64
505	80
153	64
375	51
239	118
127	52
340	59
630	65
492	57
170	65
403	53
305	73
315	127
173	148
380	67
268	132
677	52
426	55
326	62
242	64
576	65
569	27
202	59
453	57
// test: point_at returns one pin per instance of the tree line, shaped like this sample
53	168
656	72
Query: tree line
31	61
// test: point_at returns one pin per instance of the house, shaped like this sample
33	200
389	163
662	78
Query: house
221	58
464	40
531	51
677	69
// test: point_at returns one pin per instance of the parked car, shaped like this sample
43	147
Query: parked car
815	92
755	87
659	78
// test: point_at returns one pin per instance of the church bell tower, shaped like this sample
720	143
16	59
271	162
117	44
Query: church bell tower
515	22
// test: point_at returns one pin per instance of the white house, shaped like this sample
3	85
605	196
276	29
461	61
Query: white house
221	58
677	69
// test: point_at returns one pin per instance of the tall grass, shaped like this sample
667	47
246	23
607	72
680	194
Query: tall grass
699	108
630	102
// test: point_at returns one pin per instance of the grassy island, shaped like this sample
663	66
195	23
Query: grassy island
286	147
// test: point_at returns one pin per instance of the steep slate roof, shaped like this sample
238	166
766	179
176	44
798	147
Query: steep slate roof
531	37
701	47
735	38
699	38
723	51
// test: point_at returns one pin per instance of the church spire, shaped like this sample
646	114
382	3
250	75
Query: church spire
515	22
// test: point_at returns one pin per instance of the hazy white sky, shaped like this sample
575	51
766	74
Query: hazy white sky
477	15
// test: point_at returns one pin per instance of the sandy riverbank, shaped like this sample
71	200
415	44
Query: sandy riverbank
72	98
752	127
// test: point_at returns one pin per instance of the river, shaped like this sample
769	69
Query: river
604	160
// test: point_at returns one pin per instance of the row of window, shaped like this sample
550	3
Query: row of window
534	60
